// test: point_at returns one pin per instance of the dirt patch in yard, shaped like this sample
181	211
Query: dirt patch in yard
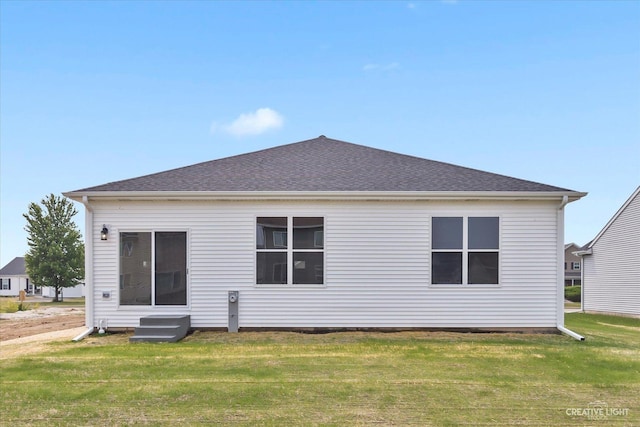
39	321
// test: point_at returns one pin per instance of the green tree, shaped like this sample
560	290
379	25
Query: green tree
56	253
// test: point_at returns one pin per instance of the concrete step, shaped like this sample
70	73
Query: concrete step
166	320
159	328
155	338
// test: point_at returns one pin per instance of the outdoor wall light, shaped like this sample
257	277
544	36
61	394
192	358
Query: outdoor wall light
104	233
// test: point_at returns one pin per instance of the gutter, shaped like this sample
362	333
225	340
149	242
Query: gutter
583	252
326	195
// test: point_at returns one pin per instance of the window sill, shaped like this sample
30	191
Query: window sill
467	286
147	307
279	286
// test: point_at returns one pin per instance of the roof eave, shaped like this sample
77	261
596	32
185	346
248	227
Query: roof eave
583	252
324	195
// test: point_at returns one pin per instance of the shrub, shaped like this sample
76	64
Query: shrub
573	293
9	307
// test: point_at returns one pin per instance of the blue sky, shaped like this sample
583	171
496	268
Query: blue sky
93	92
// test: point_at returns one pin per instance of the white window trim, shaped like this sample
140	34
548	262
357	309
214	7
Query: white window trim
465	251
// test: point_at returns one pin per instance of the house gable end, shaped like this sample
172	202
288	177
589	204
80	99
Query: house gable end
613	219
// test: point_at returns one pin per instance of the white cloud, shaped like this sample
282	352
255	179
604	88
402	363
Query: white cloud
381	67
255	123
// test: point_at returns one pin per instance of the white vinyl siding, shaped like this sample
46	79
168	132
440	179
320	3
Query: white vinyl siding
377	265
17	283
611	273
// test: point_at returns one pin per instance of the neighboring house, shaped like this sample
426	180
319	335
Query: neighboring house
72	292
14	278
611	264
326	234
572	265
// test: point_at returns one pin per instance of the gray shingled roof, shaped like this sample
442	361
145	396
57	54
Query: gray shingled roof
323	164
15	268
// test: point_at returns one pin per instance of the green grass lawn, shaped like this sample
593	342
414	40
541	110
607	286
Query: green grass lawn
351	378
67	302
572	305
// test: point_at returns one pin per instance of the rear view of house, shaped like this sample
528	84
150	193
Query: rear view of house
326	234
611	264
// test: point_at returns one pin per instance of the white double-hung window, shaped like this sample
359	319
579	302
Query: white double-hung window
465	250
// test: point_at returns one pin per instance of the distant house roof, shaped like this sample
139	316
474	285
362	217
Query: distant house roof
322	165
15	268
569	245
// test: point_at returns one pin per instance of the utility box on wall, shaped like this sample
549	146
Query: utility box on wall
233	311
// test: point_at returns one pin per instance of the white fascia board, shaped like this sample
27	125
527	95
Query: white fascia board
320	195
324	195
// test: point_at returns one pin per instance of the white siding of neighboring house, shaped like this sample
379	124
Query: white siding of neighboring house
73	292
17	283
612	273
377	265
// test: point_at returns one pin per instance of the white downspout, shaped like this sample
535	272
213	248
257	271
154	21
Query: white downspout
570	333
560	275
83	335
88	269
582	254
582	283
